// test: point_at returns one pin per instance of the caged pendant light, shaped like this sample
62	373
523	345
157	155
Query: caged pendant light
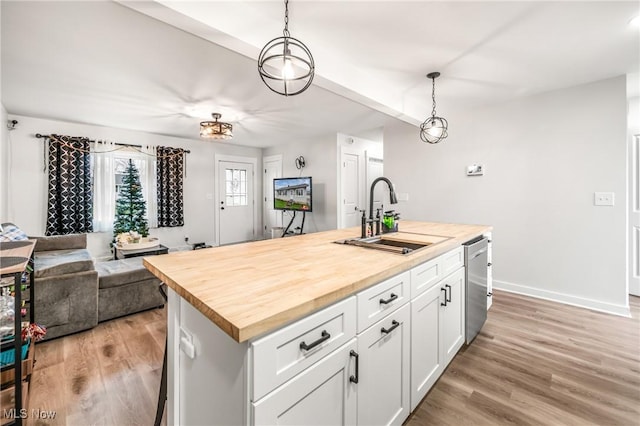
216	129
434	129
285	64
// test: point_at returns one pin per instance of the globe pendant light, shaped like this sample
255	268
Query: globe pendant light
216	129
285	64
434	129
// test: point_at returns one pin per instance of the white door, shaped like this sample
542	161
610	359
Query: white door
236	201
375	169
272	166
634	216
383	385
351	190
320	395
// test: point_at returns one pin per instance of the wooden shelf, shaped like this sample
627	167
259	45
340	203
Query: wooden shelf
15	258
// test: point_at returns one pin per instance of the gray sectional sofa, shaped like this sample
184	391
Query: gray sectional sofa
72	293
66	285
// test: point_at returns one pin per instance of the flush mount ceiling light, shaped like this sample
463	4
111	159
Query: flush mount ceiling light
434	129
285	64
216	129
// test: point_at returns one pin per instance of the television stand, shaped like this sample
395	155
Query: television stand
286	231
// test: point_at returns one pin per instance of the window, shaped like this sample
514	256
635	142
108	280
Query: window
236	187
109	166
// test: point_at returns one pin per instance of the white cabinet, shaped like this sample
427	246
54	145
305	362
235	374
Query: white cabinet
380	300
489	269
383	386
452	322
426	354
321	395
281	355
437	332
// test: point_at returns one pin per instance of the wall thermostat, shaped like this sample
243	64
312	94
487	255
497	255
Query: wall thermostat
475	170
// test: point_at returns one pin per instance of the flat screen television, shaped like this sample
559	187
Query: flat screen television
293	193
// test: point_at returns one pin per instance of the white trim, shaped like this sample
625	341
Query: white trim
265	160
567	299
216	190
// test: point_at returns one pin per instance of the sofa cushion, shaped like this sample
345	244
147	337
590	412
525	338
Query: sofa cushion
120	272
62	262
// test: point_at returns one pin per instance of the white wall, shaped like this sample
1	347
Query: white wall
320	155
545	156
4	164
27	201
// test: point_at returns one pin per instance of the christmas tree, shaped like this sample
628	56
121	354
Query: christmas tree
131	208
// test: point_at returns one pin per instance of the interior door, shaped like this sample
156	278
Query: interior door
351	190
235	180
272	169
634	216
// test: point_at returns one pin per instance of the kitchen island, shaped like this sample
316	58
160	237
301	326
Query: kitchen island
255	327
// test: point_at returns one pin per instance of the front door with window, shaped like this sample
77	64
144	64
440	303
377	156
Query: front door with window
235	182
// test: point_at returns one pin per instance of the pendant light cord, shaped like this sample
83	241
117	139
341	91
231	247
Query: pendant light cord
433	97
286	19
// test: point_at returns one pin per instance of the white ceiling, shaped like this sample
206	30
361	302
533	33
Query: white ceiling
104	63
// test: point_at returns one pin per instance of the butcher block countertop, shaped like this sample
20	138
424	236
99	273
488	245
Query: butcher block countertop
253	288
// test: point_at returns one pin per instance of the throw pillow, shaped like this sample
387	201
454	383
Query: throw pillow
10	232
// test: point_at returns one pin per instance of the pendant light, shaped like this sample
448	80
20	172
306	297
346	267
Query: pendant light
216	129
285	64
434	129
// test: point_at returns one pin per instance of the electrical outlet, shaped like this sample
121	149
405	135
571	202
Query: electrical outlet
403	196
603	198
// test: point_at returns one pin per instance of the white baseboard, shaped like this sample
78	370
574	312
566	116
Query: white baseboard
567	299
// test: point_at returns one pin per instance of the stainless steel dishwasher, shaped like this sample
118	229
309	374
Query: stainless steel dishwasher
475	260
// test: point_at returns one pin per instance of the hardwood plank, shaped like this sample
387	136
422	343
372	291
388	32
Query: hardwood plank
540	362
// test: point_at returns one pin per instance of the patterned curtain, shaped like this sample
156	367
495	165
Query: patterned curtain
70	201
170	177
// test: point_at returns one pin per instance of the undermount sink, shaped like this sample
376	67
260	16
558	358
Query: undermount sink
398	243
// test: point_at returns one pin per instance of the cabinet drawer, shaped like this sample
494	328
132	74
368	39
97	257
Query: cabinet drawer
281	355
451	261
380	300
424	276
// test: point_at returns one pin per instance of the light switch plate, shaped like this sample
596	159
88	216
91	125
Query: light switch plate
403	196
603	198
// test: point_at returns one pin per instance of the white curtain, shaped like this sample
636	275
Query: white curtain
104	186
148	181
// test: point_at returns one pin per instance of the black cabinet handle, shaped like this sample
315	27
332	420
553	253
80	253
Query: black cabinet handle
394	324
490	294
489	264
389	300
325	336
445	297
445	293
354	378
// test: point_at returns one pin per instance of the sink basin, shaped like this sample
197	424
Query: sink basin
399	243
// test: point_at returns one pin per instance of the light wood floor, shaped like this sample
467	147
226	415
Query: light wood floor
535	362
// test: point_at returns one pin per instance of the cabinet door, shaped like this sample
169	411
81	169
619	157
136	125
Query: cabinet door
320	395
426	353
452	315
383	386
